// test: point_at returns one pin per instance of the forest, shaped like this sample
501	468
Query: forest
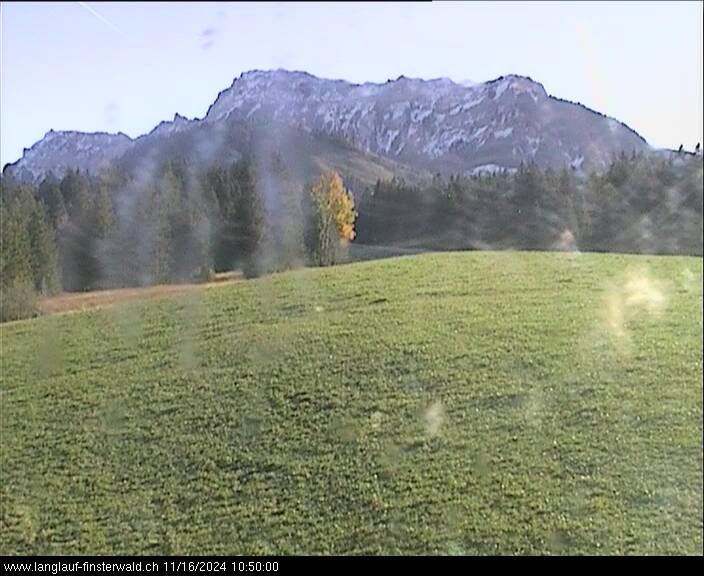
182	223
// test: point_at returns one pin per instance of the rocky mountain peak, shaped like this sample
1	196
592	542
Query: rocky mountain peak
435	124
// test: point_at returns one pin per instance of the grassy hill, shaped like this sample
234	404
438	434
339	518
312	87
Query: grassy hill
458	403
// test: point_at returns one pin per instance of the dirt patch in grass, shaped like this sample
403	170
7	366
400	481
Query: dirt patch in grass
76	301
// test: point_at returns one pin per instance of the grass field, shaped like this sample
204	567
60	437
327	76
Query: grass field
458	403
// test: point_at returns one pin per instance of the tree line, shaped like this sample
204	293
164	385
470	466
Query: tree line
174	222
641	204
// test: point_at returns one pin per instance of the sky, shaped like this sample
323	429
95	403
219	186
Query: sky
124	67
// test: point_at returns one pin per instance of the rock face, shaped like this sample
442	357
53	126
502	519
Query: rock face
436	125
60	150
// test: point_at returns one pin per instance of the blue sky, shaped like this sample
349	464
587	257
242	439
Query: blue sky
100	66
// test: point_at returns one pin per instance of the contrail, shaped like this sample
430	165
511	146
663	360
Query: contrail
100	16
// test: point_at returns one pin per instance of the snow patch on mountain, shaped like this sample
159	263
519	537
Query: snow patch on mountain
488	169
421	122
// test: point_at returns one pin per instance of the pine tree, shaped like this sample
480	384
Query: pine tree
236	215
28	264
50	194
74	190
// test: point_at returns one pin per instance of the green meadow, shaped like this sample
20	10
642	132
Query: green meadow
455	403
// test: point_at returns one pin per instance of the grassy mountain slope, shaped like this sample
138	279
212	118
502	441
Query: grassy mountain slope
471	403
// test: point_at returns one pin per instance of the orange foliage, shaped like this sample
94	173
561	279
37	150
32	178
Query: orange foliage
334	200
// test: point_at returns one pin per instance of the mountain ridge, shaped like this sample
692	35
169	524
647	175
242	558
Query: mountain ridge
435	124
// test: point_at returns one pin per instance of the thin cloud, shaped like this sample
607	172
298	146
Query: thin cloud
208	37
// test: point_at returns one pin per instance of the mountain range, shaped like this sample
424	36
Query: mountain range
405	127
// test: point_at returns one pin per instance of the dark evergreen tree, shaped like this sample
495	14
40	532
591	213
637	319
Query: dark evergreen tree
50	194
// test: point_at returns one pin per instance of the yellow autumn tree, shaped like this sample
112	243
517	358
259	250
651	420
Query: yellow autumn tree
333	217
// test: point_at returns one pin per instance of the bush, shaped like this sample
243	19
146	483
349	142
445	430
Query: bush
251	268
18	300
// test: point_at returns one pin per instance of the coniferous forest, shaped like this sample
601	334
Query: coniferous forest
181	223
